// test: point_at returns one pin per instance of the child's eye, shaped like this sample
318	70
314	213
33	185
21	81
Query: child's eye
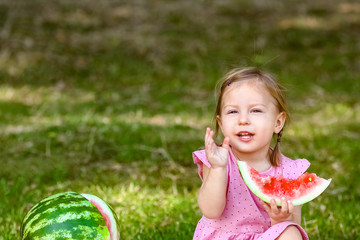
256	110
232	112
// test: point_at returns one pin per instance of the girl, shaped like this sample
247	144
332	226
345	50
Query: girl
250	110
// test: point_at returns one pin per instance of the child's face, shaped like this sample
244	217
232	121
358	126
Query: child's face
249	117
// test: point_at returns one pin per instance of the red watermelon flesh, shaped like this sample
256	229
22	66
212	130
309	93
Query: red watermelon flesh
301	190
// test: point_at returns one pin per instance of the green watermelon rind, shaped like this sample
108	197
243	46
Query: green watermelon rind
110	213
309	196
44	219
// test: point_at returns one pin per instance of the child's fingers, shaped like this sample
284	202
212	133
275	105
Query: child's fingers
271	207
226	143
266	206
284	206
209	141
291	207
207	136
274	207
209	133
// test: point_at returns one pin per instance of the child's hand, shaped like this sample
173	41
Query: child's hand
283	213
217	156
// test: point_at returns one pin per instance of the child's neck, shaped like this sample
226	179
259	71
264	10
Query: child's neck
260	161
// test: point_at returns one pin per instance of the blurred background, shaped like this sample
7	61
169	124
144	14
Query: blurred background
111	98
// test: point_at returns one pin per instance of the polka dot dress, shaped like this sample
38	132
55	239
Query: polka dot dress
244	217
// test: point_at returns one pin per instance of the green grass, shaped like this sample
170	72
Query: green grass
111	98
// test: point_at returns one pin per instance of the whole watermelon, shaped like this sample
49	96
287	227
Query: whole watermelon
70	215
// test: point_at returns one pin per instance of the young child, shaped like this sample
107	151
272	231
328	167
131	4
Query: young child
251	109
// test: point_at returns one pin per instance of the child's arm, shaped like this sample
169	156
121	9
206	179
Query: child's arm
212	195
287	212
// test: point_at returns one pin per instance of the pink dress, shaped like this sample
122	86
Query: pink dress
244	218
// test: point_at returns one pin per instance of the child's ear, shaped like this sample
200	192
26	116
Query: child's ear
280	122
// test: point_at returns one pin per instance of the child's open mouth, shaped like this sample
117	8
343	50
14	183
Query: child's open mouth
245	136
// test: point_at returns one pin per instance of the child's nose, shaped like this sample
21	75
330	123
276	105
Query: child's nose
243	119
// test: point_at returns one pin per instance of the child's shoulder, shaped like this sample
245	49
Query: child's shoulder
200	156
200	159
290	168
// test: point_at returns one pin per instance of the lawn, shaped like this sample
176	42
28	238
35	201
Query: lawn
111	98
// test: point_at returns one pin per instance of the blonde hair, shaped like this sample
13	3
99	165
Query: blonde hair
271	85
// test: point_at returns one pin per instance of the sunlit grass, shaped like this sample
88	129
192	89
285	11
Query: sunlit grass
29	95
326	120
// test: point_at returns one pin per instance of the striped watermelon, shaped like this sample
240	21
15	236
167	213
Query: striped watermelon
70	215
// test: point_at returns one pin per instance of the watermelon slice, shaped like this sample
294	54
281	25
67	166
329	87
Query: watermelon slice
70	215
299	191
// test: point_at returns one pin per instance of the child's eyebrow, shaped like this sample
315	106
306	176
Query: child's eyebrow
250	105
258	104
